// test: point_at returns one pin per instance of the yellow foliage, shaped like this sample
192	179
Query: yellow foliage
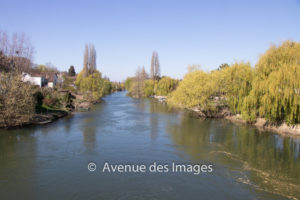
165	86
195	89
93	85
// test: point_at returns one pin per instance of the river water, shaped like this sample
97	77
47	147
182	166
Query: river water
50	161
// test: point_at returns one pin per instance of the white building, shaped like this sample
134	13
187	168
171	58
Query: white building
34	79
45	79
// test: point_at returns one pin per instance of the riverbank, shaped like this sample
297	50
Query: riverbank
37	119
263	124
260	123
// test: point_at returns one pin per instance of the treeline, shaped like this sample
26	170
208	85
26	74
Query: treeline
270	90
146	85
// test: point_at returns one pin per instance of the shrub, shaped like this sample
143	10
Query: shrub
17	102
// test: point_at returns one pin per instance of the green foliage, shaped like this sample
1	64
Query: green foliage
38	96
271	90
45	68
71	71
128	83
236	83
93	86
150	87
17	102
195	89
165	86
275	91
117	86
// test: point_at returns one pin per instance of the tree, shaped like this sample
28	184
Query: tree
92	59
48	67
165	86
223	66
128	83
89	60
15	52
137	88
93	86
71	71
86	61
89	80
196	89
155	67
236	83
276	84
149	87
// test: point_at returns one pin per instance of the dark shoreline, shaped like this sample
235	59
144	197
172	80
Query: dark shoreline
39	119
261	124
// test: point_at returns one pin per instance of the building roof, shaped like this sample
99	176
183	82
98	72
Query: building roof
48	75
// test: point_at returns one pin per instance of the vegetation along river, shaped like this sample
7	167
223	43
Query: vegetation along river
50	161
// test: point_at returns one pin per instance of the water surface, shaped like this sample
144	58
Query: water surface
50	161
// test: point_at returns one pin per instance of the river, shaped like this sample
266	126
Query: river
50	161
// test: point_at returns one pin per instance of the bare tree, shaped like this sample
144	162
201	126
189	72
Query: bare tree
155	67
137	89
144	74
86	61
92	59
15	52
89	60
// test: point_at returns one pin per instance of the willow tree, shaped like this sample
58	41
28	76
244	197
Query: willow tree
275	91
196	89
236	84
165	86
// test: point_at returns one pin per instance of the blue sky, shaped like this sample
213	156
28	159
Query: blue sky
125	32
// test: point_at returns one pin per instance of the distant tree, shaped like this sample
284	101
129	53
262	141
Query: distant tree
192	68
71	71
144	74
155	67
85	69
89	60
92	59
223	66
137	88
48	67
15	52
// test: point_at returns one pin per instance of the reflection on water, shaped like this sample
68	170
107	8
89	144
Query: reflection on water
267	161
50	162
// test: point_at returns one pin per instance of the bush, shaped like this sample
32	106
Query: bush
17	102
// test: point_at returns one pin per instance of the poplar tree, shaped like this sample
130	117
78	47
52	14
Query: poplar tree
155	67
85	69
